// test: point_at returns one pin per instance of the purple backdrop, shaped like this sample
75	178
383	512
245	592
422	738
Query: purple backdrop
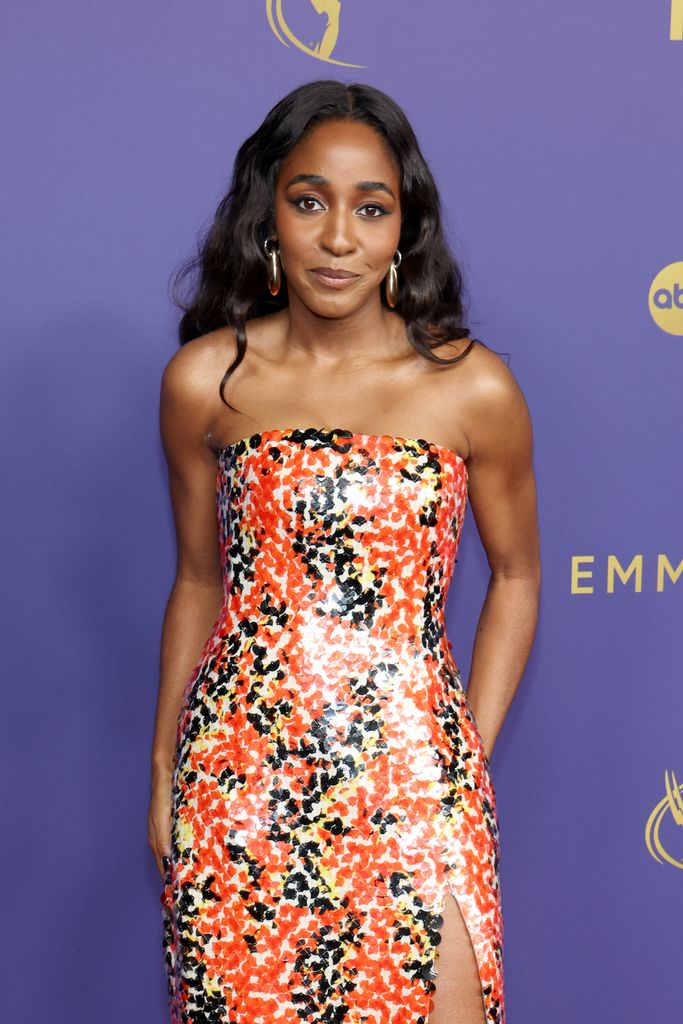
553	131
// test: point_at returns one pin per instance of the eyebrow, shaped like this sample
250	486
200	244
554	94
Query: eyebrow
318	179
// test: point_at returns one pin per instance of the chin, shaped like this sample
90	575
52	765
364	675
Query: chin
336	305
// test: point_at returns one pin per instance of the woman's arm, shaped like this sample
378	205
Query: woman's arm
196	596
502	494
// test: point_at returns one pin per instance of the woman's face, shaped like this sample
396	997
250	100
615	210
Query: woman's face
337	217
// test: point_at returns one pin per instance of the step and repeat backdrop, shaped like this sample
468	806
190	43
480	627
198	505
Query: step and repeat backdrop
553	132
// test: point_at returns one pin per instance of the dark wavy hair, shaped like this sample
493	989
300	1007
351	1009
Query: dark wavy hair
228	273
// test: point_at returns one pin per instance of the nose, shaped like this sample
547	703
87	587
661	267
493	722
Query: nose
338	234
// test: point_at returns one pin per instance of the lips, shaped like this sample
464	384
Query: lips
328	271
332	277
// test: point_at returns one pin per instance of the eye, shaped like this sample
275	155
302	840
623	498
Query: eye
379	210
307	200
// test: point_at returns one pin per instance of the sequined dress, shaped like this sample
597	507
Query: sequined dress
331	790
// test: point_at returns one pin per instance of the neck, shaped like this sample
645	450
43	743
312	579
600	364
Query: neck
368	334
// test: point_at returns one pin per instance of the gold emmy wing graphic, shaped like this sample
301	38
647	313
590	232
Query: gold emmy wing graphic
676	20
324	48
672	803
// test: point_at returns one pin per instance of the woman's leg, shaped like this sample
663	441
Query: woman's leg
458	998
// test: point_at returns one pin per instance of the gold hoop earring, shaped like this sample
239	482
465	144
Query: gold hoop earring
391	280
274	272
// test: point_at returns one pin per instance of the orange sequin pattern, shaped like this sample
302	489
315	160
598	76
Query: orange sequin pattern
330	784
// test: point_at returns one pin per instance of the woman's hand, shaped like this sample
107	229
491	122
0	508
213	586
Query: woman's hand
159	821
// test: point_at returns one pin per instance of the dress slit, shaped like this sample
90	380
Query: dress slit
452	907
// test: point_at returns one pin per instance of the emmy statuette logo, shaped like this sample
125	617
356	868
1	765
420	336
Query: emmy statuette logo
666	298
676	32
670	805
324	47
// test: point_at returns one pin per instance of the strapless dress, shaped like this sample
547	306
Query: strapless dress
331	792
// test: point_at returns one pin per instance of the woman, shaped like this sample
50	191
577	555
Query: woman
322	810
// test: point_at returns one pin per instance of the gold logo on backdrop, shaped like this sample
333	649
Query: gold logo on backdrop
671	804
676	20
324	47
665	298
583	574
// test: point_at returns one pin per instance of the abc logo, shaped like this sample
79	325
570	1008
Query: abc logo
666	299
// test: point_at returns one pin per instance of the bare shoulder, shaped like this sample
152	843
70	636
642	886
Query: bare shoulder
499	422
188	382
490	376
187	371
